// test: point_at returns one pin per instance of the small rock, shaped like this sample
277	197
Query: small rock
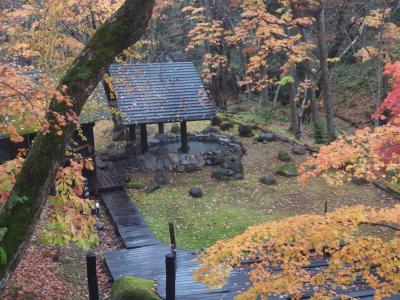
167	164
267	137
287	171
283	155
268	180
100	226
181	169
211	130
216	121
175	128
148	162
196	192
226	125
222	174
152	187
245	130
174	158
160	178
299	149
160	166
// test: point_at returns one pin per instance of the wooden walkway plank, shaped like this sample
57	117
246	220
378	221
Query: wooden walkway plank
129	222
105	180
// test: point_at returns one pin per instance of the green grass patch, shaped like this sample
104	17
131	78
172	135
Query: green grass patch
199	223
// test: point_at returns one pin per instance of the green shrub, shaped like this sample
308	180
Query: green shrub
176	128
133	288
136	185
320	131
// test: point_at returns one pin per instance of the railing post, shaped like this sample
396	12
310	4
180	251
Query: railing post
172	236
170	268
184	138
92	276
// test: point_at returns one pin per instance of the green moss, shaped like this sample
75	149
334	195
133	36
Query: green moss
287	170
133	288
22	207
102	48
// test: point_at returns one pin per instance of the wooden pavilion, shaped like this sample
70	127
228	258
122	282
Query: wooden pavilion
159	93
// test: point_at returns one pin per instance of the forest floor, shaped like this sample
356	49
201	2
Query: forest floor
228	208
49	273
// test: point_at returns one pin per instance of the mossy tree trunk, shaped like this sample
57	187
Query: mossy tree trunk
47	154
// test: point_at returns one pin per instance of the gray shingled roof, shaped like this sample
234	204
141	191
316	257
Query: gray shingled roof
96	107
160	93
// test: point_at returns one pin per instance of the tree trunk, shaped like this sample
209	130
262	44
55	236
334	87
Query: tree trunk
325	86
295	124
30	192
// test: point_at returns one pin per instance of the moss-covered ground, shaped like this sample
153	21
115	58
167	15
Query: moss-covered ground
228	208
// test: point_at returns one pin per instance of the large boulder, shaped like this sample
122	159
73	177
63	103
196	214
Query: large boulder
283	155
231	168
132	288
148	161
222	174
245	130
287	170
233	163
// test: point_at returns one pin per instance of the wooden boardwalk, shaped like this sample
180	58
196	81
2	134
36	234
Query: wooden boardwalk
149	262
105	180
129	221
144	255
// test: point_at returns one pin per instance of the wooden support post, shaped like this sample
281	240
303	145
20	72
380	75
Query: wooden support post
92	276
161	128
170	268
184	138
172	236
132	132
143	138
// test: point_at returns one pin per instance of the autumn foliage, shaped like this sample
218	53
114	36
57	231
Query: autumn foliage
277	253
369	153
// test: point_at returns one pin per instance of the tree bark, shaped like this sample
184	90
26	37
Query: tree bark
295	121
325	86
47	154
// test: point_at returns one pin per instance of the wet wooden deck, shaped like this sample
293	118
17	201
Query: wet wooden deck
129	222
149	262
144	255
105	180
